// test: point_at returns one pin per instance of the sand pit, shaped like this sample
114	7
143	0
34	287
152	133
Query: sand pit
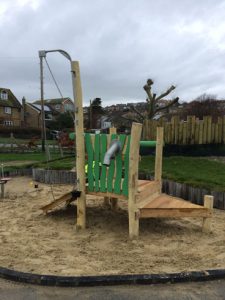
48	244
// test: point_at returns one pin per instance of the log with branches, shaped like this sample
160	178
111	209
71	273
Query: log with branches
153	107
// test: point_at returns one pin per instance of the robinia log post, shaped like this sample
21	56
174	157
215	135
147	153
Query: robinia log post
80	149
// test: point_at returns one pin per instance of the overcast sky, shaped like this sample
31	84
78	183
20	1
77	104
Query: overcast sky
119	44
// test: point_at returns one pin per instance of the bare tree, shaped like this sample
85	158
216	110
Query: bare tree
153	102
204	105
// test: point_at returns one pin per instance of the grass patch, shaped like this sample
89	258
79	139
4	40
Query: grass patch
36	156
190	170
7	140
66	163
197	172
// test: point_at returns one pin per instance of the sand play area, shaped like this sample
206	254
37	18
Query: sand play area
31	241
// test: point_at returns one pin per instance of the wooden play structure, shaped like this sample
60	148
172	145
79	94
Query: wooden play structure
117	179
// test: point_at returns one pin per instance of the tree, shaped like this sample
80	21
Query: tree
204	105
63	120
95	111
153	102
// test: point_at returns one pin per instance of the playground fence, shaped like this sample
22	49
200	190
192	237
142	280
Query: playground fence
189	132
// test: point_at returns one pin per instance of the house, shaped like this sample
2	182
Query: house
32	114
105	122
59	105
10	109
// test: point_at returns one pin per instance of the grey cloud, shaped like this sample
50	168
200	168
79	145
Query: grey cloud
119	45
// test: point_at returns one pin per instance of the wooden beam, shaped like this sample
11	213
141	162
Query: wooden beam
133	180
107	195
174	213
208	203
80	149
158	156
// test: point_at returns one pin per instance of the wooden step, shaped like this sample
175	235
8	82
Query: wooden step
147	190
165	206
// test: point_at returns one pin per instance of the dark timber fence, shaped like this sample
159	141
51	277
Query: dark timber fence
54	176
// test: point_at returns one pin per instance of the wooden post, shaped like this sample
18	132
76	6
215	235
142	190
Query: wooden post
80	150
208	203
133	180
158	156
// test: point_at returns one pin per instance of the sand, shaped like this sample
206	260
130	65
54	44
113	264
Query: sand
31	241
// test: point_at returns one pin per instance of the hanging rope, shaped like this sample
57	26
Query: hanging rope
57	86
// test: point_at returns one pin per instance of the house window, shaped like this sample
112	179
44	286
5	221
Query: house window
8	123
8	110
4	95
57	106
69	107
48	116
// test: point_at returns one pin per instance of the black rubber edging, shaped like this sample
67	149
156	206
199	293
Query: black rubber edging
78	281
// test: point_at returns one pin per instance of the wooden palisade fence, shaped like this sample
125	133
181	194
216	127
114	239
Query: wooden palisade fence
192	131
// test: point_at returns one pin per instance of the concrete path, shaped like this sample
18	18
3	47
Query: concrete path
188	291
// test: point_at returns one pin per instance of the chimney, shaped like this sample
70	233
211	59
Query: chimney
23	112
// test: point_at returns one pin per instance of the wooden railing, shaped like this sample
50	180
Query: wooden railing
191	131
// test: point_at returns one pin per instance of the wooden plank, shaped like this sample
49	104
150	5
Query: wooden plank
119	166
209	129
166	139
193	121
57	202
196	134
145	129
208	203
189	124
133	179
80	149
216	133
142	202
111	170
158	155
126	169
108	195
96	162
176	129
224	129
180	132
174	213
173	130
103	145
166	201
213	132
205	128
220	129
184	142
147	190
112	130
90	153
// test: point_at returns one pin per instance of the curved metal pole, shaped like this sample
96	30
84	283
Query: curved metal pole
42	54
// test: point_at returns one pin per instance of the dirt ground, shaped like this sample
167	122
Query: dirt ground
31	241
